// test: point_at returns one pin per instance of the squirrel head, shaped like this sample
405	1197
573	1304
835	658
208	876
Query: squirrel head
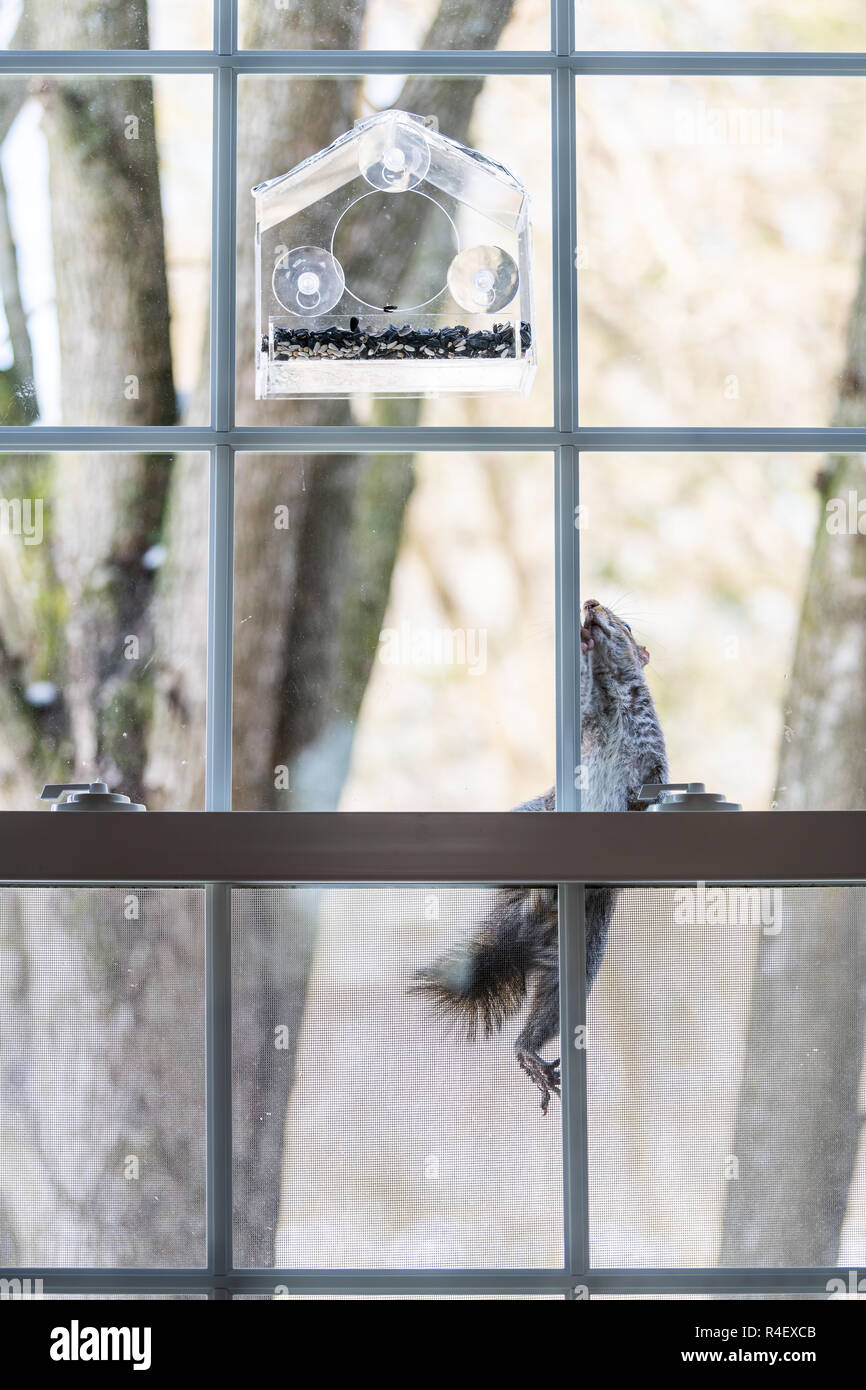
608	641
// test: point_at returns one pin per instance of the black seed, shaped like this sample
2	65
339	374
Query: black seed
362	341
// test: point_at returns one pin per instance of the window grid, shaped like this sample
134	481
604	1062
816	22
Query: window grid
222	439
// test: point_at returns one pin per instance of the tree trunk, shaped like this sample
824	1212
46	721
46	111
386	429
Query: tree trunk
18	404
113	319
102	1024
798	1126
309	608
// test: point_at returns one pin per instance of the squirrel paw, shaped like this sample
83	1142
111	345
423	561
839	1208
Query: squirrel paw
545	1075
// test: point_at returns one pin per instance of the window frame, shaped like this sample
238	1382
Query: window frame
221	848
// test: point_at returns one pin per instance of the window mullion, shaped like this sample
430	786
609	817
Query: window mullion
572	928
218	742
564	175
220	1205
223	250
572	931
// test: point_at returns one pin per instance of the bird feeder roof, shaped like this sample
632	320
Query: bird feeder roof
472	178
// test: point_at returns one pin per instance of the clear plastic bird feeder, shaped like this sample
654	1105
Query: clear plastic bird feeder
394	262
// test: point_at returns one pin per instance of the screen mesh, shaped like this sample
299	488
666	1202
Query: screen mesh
395	1142
725	1059
102	1077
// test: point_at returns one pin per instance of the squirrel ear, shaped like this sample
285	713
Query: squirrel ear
644	655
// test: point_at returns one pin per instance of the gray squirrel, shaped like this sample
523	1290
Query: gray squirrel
486	978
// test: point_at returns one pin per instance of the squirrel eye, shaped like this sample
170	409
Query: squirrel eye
627	627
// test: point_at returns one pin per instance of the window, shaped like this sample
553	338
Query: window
365	612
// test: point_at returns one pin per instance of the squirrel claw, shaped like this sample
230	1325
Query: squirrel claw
545	1076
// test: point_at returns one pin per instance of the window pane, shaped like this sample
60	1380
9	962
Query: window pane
80	24
105	213
720	244
713	24
725	1079
102	1099
397	1144
743	577
393	631
380	24
103	625
390	258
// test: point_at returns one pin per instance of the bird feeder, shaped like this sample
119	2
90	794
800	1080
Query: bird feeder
395	262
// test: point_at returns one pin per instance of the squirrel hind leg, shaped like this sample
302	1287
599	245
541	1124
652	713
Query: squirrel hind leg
545	1075
541	1027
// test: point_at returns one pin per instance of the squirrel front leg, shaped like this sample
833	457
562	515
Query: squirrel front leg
588	682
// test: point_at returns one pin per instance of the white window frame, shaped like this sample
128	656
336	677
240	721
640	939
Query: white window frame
218	848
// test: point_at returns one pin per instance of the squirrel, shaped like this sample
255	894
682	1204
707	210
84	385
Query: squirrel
486	978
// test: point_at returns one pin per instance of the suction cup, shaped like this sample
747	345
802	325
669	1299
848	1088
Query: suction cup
308	280
483	279
394	157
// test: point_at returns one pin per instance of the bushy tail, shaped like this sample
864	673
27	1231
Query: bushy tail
481	982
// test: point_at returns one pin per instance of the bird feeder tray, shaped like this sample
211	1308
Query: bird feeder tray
396	262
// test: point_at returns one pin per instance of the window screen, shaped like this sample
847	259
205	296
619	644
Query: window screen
398	1131
102	1107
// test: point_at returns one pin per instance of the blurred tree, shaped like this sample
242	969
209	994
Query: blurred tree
65	611
17	390
799	1125
302	664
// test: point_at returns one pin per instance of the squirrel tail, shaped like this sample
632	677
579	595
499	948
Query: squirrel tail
482	981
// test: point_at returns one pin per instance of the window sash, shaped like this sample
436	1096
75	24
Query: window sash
796	848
